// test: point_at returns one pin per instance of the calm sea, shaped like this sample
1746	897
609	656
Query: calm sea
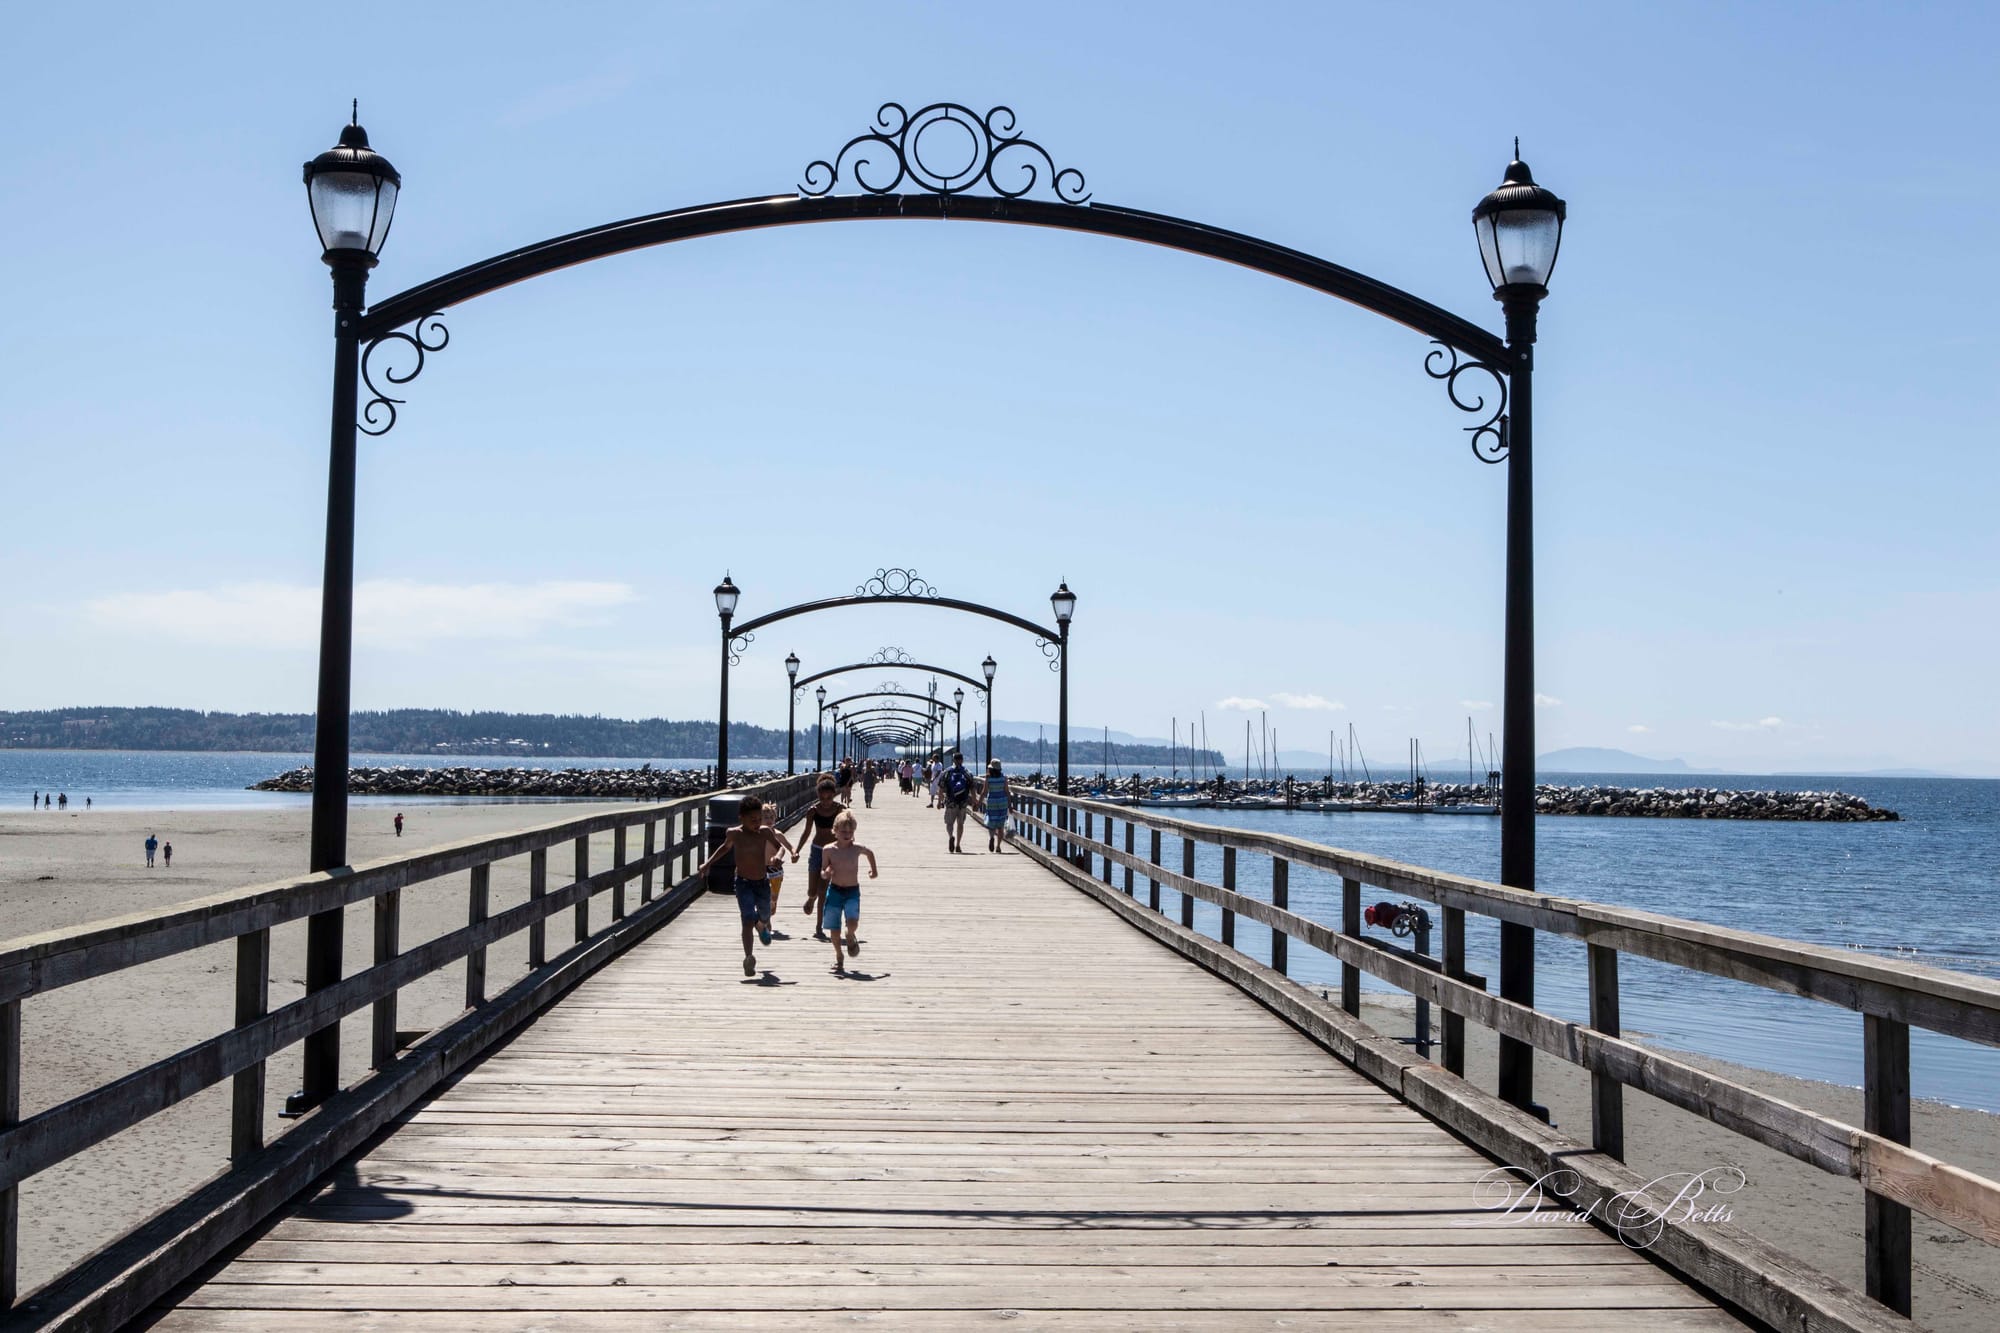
1926	890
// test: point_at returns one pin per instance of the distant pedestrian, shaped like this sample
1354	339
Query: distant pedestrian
86	803
152	846
955	792
996	805
868	776
37	802
167	856
399	823
62	801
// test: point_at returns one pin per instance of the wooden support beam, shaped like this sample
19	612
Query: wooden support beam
1350	926
583	873
1229	883
646	854
476	908
10	1115
1281	898
1886	1091
538	888
388	943
1454	967
618	859
1187	869
253	1001
1153	885
1607	1094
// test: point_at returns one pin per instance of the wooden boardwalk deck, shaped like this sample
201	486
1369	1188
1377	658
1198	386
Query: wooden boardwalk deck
1020	1110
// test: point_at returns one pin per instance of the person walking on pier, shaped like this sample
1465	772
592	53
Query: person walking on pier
843	888
750	844
868	777
994	790
844	779
822	814
955	791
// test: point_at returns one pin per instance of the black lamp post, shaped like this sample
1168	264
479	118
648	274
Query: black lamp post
1063	601
726	594
835	711
987	668
958	720
1519	227
936	721
352	192
791	710
819	730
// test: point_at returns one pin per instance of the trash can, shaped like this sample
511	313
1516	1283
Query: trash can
724	813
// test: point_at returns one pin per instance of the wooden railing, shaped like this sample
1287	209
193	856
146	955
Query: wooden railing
116	1283
1077	839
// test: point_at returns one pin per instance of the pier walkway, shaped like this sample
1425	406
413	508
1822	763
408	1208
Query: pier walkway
1018	1109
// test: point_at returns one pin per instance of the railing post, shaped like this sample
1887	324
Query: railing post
388	943
1128	853
475	912
1107	842
583	903
1229	883
1350	926
618	863
1187	869
1454	967
538	888
10	1116
1886	1072
1089	834
646	875
1153	885
1281	897
1607	1094
253	1001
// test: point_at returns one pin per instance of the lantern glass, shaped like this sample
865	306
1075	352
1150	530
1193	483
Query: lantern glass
726	594
792	665
1518	246
989	666
352	191
1064	603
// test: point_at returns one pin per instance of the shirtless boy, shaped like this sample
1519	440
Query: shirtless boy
752	846
842	861
821	815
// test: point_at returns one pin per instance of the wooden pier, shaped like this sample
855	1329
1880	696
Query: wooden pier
1019	1109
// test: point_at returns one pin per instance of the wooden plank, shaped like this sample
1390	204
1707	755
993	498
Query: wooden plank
618	886
538	887
477	895
1454	967
1886	1110
1151	1320
1607	1094
388	914
1229	883
1281	898
10	1115
646	876
1350	926
583	877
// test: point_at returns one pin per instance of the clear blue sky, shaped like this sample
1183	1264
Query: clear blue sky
1766	462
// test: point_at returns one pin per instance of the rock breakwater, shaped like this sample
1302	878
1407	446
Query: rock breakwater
643	783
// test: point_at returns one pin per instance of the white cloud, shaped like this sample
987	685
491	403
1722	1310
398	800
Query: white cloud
387	612
1638	728
1476	705
1547	701
1312	702
1761	724
1238	704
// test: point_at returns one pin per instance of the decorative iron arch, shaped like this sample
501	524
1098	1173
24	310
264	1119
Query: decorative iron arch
978	686
945	704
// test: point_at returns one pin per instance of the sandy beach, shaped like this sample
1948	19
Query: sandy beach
66	869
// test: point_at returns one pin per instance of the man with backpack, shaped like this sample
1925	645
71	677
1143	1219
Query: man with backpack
955	794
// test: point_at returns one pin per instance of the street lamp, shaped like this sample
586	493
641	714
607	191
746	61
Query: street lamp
958	720
988	667
819	729
726	593
1063	602
791	706
1519	227
351	190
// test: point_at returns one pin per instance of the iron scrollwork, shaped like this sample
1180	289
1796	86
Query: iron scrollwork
1051	649
889	687
739	644
895	583
890	657
980	148
1489	436
427	335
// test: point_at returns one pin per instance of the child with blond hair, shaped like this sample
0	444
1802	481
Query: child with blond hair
842	861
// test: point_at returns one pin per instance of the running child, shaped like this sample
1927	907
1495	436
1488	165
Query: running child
842	860
750	843
822	814
774	873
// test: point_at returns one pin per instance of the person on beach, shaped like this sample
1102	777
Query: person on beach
843	888
152	846
62	801
994	790
86	803
167	856
399	823
822	814
750	844
955	790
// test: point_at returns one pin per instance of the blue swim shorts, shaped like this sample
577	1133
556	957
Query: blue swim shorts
753	899
841	902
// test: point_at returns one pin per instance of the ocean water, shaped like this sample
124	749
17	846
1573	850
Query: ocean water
1926	889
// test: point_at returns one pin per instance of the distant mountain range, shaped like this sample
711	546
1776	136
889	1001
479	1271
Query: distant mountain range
1595	759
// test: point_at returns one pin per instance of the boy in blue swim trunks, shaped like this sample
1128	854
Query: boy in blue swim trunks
752	845
842	861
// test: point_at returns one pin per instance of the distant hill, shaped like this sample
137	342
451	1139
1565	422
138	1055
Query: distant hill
1592	759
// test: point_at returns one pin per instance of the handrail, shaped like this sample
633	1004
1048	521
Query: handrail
35	965
1893	996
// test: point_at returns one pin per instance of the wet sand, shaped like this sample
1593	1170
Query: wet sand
65	869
